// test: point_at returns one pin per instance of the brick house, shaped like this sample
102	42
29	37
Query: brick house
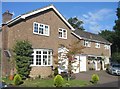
45	29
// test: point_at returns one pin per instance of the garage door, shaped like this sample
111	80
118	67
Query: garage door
82	63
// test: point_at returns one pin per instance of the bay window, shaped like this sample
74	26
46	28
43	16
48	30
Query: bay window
41	57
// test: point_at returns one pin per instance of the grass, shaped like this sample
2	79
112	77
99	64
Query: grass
48	83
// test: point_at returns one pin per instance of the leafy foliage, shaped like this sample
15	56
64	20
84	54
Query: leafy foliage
58	81
114	36
23	51
95	78
107	34
73	49
116	57
76	23
17	79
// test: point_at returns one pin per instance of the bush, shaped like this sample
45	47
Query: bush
58	81
17	79
95	78
56	71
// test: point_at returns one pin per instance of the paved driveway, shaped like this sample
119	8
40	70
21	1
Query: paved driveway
104	77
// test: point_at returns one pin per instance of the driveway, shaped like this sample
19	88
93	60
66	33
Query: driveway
103	75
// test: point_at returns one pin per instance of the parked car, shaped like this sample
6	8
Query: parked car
114	69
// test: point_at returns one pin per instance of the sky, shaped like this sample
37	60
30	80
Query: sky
96	16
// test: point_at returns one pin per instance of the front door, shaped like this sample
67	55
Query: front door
82	63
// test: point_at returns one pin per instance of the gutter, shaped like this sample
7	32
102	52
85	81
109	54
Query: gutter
14	20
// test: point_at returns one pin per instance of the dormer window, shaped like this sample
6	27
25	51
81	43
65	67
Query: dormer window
40	29
62	33
97	45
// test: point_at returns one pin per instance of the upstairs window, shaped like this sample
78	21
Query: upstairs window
40	29
86	43
97	45
106	46
62	33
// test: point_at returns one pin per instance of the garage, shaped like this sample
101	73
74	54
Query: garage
80	64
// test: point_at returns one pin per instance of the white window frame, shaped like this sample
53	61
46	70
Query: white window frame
38	33
97	45
107	46
62	33
41	50
87	43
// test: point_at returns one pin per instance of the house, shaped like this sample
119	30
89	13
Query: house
46	29
96	49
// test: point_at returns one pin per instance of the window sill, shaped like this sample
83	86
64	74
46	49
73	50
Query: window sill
62	38
40	65
41	34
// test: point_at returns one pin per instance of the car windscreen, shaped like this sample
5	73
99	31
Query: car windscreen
116	66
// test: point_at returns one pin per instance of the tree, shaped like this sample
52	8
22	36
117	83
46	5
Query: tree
114	37
23	51
76	23
74	49
116	44
107	34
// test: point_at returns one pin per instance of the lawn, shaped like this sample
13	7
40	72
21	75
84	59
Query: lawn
48	83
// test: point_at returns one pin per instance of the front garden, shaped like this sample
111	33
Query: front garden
22	55
48	82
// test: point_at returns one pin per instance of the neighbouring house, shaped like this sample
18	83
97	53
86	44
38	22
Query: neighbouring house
46	29
96	53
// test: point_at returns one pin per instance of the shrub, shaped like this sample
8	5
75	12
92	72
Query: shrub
22	55
56	71
58	81
17	79
95	78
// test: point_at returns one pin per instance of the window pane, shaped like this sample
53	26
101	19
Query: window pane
49	60
36	28
64	34
38	59
60	34
44	52
60	29
44	59
46	27
41	30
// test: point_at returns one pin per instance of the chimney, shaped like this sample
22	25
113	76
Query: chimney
6	16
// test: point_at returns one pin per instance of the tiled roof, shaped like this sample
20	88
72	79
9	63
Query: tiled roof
90	36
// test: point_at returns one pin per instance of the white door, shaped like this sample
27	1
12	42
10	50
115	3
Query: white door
82	63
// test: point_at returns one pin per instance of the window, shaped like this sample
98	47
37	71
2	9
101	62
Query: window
41	57
62	33
106	46
86	43
97	45
40	29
